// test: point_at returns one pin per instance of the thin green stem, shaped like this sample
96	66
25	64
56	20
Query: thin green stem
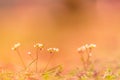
48	62
21	58
32	62
31	57
83	61
37	59
88	56
88	59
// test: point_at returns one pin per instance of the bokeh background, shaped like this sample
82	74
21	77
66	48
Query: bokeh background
66	24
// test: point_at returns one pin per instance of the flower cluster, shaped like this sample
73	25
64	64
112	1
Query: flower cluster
16	46
53	50
83	48
39	45
85	58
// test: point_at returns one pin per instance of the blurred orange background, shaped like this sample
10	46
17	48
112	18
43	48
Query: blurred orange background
66	24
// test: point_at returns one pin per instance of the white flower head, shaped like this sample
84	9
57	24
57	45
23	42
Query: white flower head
56	49
86	47
82	49
39	45
17	45
29	53
92	45
53	50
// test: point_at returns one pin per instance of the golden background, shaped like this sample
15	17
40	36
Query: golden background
66	24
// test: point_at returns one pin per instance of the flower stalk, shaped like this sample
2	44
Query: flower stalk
86	50
38	47
52	51
16	48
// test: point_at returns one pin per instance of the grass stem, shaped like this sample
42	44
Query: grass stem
48	62
37	59
21	58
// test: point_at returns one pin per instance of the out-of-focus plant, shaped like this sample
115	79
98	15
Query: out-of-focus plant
86	50
16	48
51	51
55	73
109	75
38	47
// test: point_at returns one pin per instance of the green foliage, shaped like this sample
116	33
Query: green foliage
56	74
108	75
4	75
84	77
